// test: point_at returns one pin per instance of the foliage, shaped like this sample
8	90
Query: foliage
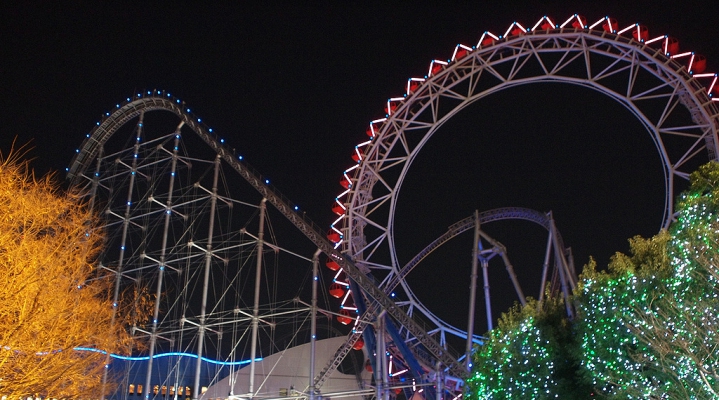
50	303
649	323
689	340
529	356
646	327
614	358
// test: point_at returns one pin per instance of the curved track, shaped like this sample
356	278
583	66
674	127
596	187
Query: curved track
184	240
111	180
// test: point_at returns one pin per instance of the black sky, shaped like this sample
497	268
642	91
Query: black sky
293	87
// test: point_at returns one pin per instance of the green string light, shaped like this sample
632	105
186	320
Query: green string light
646	328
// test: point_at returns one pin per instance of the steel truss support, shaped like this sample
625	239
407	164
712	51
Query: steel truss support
313	232
654	86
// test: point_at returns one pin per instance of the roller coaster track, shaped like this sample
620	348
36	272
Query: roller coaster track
154	101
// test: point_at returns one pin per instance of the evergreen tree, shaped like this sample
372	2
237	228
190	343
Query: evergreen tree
531	354
645	328
649	325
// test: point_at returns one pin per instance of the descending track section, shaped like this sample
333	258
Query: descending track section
165	206
192	246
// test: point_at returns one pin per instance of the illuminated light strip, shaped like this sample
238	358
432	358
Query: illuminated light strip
540	21
359	155
375	132
611	28
691	63
350	308
458	396
666	45
389	106
391	366
627	28
568	21
337	275
364	143
688	53
341	217
459	46
709	75
509	29
344	300
342	194
658	38
371	128
341	205
348	170
347	177
711	87
179	354
600	21
639	33
345	284
512	26
431	65
409	83
396	100
485	34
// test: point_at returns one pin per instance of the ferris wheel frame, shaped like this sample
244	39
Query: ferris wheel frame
666	90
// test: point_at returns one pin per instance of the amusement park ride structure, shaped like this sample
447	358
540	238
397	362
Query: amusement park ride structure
178	227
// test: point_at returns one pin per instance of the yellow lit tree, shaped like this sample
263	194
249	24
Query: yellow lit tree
50	302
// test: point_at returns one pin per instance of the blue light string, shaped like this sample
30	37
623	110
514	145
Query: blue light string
146	358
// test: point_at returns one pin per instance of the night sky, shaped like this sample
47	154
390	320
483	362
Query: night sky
293	88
